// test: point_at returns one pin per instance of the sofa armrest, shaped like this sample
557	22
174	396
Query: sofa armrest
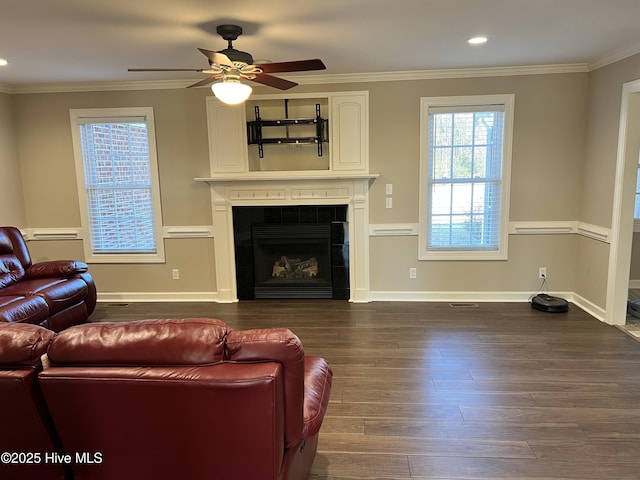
317	389
56	268
23	344
282	346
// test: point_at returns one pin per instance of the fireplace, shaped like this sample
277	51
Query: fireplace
292	261
291	252
340	198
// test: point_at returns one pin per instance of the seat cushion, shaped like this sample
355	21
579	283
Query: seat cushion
59	293
9	299
21	309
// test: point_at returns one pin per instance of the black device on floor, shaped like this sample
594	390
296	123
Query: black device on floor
549	303
633	308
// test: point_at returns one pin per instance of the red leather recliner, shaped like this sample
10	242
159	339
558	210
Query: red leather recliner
27	435
185	398
54	294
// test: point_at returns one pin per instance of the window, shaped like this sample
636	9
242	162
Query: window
464	177
118	187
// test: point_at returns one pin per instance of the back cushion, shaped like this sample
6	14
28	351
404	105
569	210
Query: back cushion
11	270
155	342
5	243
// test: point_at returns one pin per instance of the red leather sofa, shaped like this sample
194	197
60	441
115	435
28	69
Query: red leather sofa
185	398
26	430
54	294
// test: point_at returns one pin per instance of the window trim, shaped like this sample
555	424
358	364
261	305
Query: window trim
508	100
78	116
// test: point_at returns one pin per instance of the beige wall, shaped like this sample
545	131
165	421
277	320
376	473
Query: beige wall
549	144
548	147
190	256
634	271
605	97
392	257
599	168
51	197
46	153
548	150
11	199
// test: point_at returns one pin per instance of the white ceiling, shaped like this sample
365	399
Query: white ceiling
68	41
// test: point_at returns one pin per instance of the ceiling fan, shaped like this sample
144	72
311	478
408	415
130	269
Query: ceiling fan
231	65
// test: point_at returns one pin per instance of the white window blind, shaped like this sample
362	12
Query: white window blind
118	183
118	168
465	175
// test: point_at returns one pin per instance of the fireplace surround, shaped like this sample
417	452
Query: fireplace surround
268	189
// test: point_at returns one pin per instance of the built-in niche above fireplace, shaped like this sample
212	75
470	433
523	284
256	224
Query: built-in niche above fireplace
291	252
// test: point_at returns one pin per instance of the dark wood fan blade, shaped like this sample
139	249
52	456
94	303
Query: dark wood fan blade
165	70
206	81
295	66
275	82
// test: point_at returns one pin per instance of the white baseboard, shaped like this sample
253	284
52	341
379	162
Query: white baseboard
391	296
139	297
480	297
589	307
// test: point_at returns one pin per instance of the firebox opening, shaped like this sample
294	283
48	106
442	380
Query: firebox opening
292	261
291	252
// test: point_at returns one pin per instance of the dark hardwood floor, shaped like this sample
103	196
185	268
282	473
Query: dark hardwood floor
430	391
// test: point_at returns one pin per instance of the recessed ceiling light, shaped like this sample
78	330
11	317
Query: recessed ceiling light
3	62
477	40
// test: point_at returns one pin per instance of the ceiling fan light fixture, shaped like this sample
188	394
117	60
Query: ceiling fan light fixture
231	91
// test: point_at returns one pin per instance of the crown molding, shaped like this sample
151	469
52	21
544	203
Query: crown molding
446	73
313	79
615	57
101	86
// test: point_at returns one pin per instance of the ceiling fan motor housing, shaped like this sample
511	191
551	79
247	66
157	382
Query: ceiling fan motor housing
237	56
231	33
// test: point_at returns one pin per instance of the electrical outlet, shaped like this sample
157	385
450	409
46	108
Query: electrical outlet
413	273
542	272
389	202
175	274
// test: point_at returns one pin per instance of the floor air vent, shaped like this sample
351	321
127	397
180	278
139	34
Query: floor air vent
463	305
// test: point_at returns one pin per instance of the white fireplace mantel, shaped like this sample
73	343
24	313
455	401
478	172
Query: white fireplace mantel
285	188
302	176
